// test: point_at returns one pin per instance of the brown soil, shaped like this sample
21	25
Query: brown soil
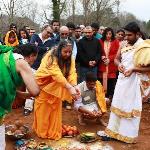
70	117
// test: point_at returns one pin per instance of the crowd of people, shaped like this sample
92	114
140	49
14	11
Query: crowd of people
76	67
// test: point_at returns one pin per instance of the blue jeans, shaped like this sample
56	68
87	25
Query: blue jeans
85	70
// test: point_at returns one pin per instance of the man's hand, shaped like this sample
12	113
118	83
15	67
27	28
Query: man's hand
23	95
128	72
92	63
121	68
99	113
90	115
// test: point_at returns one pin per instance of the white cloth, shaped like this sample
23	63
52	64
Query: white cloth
29	101
29	104
91	106
124	127
45	40
2	137
127	98
74	52
24	41
17	56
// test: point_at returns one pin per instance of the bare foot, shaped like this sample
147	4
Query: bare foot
108	101
81	120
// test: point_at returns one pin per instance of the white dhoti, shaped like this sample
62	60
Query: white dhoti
91	107
125	110
2	137
126	104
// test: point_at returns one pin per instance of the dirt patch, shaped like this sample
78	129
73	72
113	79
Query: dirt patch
70	117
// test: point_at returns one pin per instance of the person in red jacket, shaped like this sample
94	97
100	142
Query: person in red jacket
107	70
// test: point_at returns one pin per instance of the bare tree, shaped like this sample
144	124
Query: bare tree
54	10
73	11
9	9
22	8
126	17
70	10
30	10
21	12
86	4
58	7
100	6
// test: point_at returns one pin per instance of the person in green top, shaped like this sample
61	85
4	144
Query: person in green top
15	71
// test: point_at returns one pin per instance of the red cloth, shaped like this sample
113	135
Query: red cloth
18	103
112	68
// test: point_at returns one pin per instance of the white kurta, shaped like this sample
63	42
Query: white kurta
127	102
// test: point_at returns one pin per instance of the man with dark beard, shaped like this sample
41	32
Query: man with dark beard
127	100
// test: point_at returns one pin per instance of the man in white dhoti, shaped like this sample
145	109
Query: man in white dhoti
127	100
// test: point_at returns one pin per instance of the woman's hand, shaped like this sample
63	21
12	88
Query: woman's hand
74	92
105	60
78	92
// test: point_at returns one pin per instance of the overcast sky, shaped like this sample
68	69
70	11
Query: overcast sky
140	8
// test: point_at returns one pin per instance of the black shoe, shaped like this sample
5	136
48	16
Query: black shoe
104	136
67	105
27	112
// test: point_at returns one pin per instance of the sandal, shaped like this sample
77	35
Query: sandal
104	136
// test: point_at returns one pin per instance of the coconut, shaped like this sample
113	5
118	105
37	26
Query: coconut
17	132
18	123
23	130
13	128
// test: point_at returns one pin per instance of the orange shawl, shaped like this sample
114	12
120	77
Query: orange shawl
16	43
100	96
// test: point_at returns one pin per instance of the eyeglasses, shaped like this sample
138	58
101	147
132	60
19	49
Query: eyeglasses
87	32
64	33
77	31
48	32
71	29
14	27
